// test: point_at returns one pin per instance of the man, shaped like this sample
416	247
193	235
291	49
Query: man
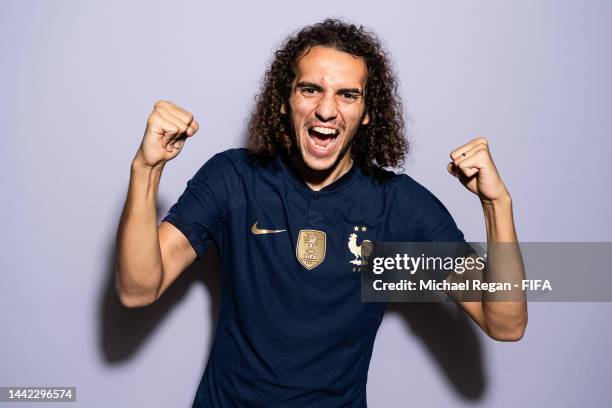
285	214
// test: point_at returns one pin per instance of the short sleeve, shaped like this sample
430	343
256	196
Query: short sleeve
429	220
437	224
200	210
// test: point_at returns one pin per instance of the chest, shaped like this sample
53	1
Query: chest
326	233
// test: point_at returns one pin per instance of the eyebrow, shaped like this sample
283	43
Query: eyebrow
304	84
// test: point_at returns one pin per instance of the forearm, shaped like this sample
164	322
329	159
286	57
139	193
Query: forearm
499	220
503	318
139	263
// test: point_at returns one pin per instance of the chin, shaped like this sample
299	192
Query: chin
319	164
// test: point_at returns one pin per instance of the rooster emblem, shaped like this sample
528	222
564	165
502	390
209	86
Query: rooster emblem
359	251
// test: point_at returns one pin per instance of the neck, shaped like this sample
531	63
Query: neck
319	179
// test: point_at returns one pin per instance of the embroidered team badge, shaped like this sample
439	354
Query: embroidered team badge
310	248
359	251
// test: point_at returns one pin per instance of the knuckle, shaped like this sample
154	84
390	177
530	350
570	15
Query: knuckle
153	118
160	103
169	129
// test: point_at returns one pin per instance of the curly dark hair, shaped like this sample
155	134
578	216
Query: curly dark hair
378	144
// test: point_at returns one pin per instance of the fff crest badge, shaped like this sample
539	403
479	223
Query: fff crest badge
310	248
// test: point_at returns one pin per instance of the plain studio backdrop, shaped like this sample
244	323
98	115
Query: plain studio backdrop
78	80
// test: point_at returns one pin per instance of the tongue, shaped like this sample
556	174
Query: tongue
321	139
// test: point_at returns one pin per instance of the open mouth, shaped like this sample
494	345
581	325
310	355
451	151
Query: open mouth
322	140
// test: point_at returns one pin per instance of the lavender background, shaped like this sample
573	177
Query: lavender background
78	80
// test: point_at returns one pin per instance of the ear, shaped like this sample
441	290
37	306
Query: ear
366	119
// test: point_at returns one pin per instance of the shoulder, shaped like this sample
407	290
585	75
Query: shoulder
228	158
416	193
377	178
234	154
429	217
400	189
399	184
221	171
231	170
226	163
421	214
242	159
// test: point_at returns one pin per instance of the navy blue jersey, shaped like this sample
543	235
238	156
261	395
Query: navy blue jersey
292	329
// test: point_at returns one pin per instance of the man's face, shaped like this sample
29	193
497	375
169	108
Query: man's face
327	104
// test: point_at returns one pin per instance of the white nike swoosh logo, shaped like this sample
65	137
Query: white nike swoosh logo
258	231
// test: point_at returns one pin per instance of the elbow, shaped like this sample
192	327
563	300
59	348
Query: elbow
133	297
134	301
510	333
507	335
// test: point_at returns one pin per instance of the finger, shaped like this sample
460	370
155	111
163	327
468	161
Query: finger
175	143
172	146
167	128
179	112
169	115
193	128
450	167
179	116
461	173
468	146
458	173
170	132
178	144
460	151
473	164
467	154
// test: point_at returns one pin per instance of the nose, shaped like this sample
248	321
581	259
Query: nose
326	109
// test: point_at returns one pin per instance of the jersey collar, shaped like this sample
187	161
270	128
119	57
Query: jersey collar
340	184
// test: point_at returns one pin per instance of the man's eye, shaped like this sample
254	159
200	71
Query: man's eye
309	91
350	96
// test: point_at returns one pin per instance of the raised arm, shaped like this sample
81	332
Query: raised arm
473	165
150	257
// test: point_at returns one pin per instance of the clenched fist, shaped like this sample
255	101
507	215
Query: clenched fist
167	128
473	165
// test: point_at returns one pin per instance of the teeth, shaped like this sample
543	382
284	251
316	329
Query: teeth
324	130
